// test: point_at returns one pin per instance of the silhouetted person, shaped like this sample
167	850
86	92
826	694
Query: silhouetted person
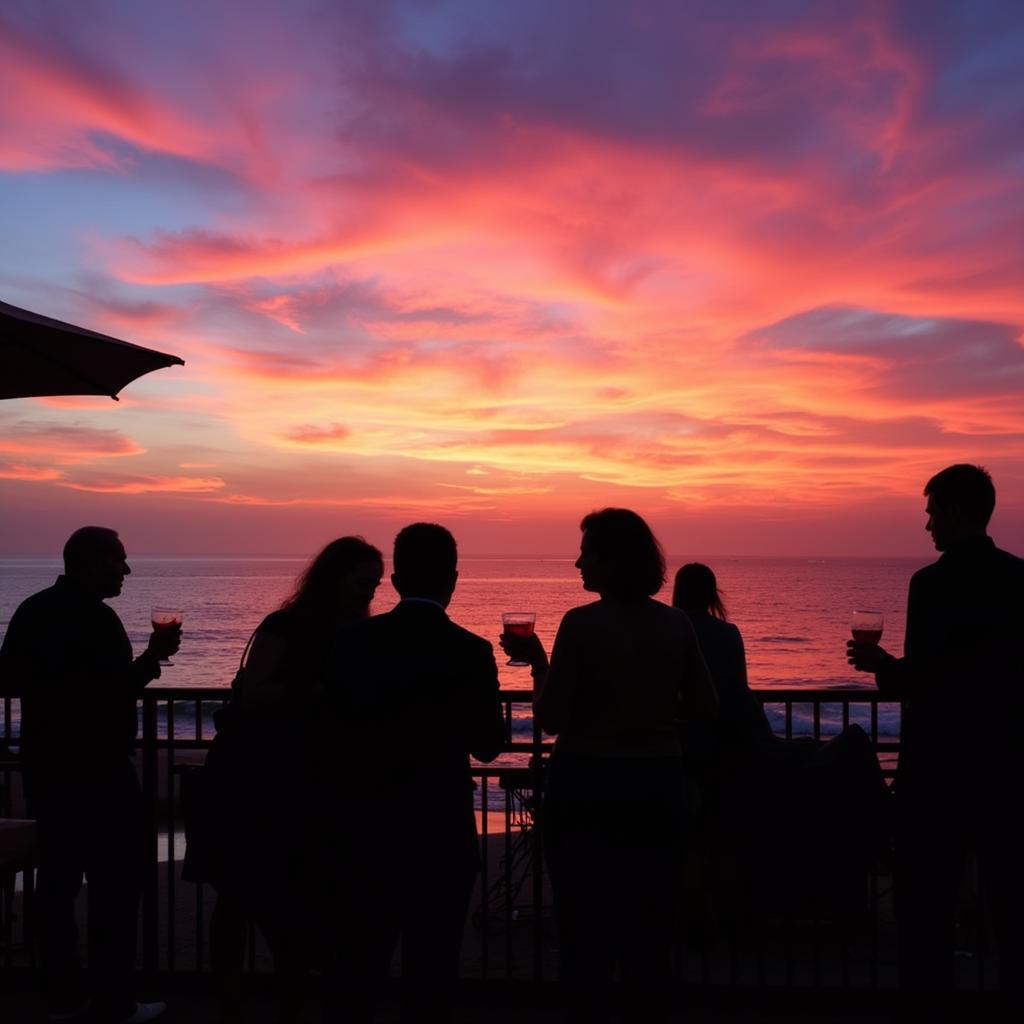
614	818
262	842
961	681
741	720
414	696
755	784
68	658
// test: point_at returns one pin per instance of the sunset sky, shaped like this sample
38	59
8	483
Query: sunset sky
753	269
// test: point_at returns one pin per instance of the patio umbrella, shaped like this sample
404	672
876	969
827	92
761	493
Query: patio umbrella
41	356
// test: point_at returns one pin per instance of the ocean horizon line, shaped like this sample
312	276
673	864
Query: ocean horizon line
465	557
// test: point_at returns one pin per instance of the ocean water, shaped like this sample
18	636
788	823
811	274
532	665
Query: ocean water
794	613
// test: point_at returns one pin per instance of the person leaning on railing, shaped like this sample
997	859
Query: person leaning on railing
622	670
961	681
68	658
755	784
407	852
261	839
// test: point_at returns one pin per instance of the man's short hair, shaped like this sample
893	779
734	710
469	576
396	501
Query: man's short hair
968	487
425	557
85	544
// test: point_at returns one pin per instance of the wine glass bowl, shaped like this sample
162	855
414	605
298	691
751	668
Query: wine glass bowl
866	626
520	624
165	618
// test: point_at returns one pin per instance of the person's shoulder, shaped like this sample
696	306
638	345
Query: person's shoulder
732	629
469	639
677	620
583	613
39	601
669	614
927	572
670	611
280	623
1014	563
1008	575
368	629
723	628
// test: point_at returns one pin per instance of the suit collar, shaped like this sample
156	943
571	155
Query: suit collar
425	604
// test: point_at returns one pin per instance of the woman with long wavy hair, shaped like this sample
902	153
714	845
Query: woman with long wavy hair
270	821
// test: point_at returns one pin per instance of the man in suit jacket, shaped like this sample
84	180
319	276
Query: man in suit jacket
68	658
416	696
961	682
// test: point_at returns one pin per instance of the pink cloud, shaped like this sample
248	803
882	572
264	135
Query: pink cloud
87	402
57	104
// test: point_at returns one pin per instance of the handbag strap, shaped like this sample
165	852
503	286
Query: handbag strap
237	681
245	652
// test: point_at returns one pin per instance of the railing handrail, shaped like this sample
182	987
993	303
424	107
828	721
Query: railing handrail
765	694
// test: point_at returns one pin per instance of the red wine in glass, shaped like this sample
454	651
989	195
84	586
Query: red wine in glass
866	626
165	618
521	624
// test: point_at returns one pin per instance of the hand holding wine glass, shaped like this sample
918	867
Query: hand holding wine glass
863	652
166	636
866	626
519	640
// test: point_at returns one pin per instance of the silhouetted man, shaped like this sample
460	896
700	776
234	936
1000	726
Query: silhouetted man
68	658
961	681
416	695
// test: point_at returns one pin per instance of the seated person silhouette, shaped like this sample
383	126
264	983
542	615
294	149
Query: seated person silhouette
790	826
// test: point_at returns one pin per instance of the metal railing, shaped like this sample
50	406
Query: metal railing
511	933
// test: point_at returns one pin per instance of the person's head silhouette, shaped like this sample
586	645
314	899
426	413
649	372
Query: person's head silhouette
696	590
620	557
340	581
95	558
961	499
424	562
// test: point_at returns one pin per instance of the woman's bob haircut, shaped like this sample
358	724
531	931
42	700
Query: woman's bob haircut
625	543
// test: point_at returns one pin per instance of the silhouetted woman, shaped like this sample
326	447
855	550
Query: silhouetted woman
741	719
272	819
622	670
755	784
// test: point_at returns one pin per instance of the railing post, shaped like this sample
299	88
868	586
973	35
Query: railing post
537	769
151	880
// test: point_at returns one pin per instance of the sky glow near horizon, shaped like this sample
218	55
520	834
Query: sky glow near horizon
754	270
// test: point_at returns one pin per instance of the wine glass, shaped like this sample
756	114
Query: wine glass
165	618
866	626
520	623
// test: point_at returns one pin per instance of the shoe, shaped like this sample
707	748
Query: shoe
144	1012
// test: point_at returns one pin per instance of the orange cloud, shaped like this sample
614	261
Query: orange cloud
318	435
24	471
66	445
146	484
